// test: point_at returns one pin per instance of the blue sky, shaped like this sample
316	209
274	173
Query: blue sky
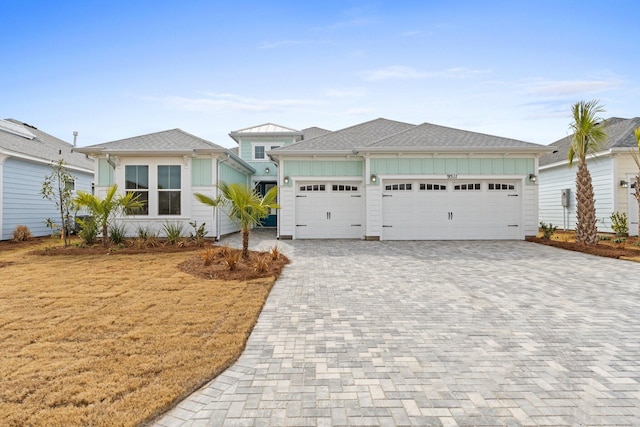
116	69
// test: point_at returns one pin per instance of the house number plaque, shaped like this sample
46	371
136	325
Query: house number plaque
452	176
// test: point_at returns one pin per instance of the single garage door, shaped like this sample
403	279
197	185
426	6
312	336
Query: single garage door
329	210
451	210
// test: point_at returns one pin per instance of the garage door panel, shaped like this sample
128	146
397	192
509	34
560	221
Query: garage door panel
329	211
466	210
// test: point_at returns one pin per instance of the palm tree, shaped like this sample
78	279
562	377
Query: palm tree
104	210
246	207
588	137
636	157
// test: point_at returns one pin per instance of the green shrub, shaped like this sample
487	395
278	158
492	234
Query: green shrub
199	233
117	233
547	230
21	233
619	223
88	230
173	231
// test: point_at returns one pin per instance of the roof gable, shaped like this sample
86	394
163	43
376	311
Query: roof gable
349	138
619	135
168	141
428	135
266	128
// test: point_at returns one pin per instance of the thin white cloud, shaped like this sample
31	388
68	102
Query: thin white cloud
569	87
281	43
403	72
227	101
411	33
356	22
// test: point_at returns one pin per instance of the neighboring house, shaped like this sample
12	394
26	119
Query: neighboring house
26	157
164	169
388	180
612	172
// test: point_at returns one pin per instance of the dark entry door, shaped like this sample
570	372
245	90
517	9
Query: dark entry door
272	219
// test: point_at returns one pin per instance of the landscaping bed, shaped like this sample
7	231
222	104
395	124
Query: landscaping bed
625	248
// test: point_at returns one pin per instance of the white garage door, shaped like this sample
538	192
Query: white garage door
451	210
329	210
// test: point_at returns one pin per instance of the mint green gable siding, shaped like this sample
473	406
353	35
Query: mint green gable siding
201	172
467	166
323	168
105	173
230	175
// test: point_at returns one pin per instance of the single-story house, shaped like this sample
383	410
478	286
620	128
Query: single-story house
164	169
26	157
378	180
612	171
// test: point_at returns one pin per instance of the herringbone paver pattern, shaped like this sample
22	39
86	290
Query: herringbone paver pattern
435	333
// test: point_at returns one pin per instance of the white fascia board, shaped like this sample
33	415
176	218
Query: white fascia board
590	156
444	150
44	161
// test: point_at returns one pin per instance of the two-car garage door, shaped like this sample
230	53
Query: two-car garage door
451	210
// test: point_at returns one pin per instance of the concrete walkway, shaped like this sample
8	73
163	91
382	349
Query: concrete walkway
434	333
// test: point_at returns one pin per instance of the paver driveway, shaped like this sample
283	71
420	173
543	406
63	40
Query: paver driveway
435	333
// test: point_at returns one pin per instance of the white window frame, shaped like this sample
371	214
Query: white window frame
266	146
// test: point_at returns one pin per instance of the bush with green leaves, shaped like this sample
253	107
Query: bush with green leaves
547	230
199	232
117	233
88	229
173	231
619	223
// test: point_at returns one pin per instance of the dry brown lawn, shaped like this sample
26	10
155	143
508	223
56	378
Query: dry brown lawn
113	339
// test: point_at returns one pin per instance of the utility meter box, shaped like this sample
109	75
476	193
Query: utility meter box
565	196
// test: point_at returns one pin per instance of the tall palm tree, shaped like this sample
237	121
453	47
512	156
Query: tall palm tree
636	157
105	210
245	206
588	137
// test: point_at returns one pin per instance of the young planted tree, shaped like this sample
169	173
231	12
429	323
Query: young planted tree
245	206
588	137
105	210
636	157
58	188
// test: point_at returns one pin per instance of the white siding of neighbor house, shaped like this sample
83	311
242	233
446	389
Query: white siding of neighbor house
627	170
553	180
21	200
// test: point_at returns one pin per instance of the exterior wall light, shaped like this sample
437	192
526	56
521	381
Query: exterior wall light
624	184
266	171
374	177
286	180
533	177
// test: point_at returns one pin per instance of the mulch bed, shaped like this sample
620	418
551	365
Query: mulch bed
601	249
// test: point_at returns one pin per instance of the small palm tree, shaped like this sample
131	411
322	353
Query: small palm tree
246	207
636	157
105	210
588	137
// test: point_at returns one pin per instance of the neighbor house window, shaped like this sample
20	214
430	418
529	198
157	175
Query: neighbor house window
169	190
258	152
137	182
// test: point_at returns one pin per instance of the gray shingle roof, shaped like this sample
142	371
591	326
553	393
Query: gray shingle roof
313	132
428	135
168	141
619	135
349	138
14	138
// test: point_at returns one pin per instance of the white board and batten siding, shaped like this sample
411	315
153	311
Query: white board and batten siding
22	202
